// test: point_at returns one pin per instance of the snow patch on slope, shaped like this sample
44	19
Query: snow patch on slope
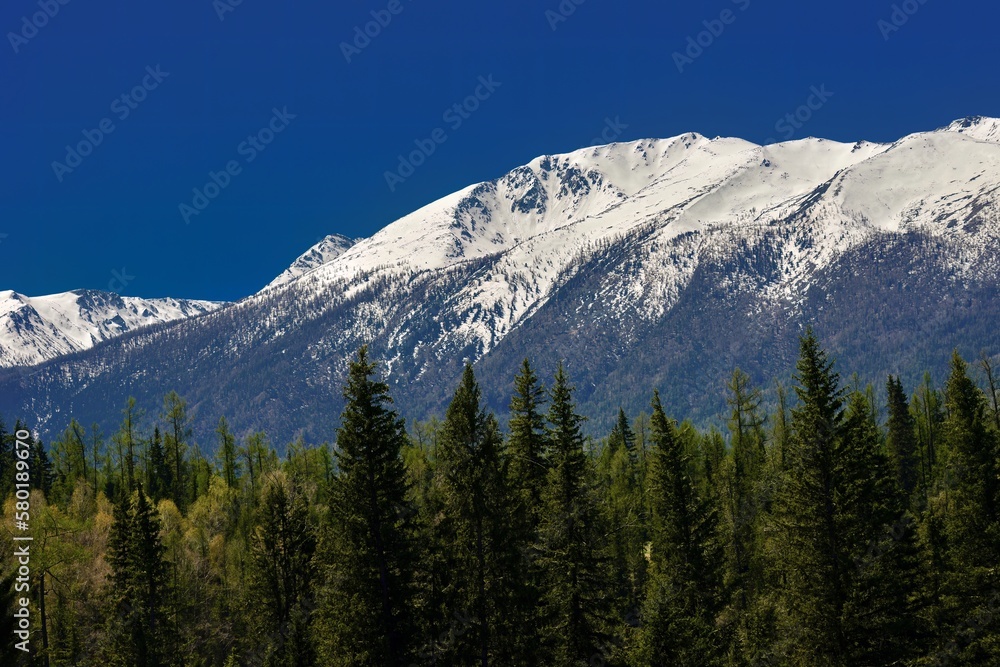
326	250
36	329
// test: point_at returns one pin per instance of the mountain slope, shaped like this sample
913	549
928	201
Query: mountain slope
36	329
649	263
325	251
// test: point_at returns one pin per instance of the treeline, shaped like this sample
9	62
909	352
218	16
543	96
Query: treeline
835	531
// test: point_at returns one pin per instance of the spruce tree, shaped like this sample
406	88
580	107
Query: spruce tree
876	531
138	630
476	508
618	468
901	441
684	587
973	518
159	475
367	551
527	472
281	577
526	445
810	554
848	550
571	543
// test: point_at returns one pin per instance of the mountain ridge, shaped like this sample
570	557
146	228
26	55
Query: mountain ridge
629	234
37	329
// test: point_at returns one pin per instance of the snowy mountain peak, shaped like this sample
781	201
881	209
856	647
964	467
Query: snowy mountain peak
533	225
325	251
982	128
35	329
653	259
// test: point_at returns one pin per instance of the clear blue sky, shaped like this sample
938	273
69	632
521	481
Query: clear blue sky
325	172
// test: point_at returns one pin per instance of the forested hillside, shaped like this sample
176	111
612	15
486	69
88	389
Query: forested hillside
850	526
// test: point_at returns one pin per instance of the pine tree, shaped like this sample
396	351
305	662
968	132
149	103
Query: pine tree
527	472
618	468
901	442
281	577
684	589
880	609
814	572
476	507
365	613
526	445
159	476
849	553
138	630
973	519
573	566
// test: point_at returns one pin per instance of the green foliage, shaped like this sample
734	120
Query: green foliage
813	535
972	522
684	590
618	469
138	628
227	454
476	503
367	550
901	441
571	542
281	577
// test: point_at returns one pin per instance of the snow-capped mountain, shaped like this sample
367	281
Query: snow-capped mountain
660	262
325	251
36	329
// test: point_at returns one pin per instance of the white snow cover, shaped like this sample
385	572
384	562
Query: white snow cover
663	204
35	329
325	251
539	219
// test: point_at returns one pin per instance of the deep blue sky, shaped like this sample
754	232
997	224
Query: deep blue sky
325	172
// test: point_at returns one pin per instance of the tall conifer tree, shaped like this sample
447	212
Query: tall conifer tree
973	518
571	542
138	630
684	589
367	551
901	442
476	508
